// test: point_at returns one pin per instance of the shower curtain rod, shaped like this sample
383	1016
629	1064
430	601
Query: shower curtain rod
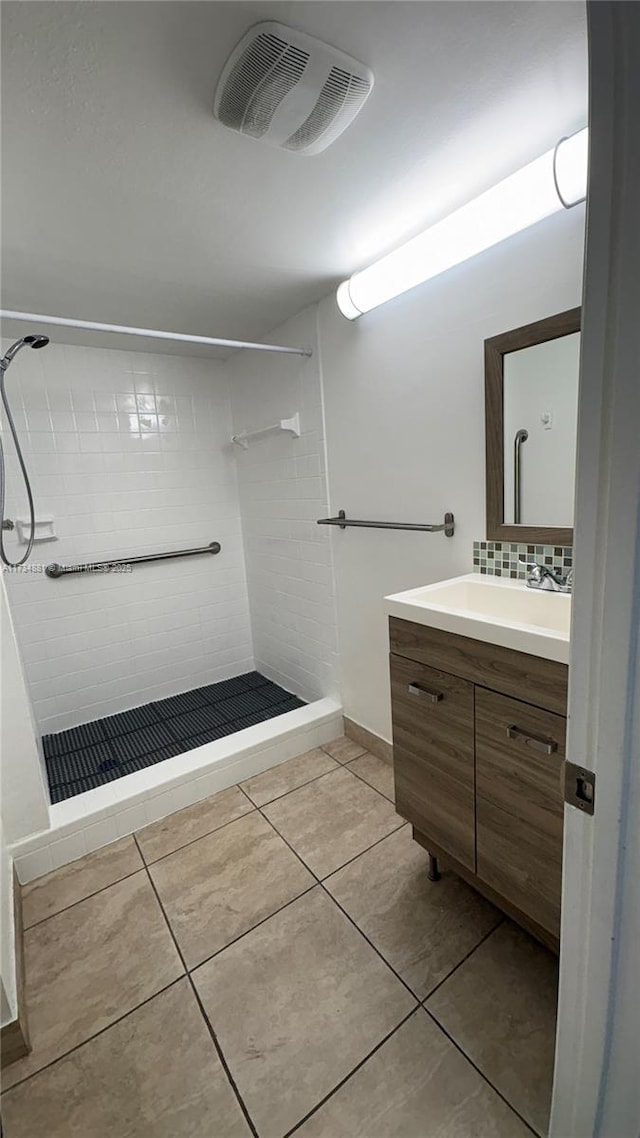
93	326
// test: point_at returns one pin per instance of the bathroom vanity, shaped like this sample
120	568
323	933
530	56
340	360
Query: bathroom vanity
479	670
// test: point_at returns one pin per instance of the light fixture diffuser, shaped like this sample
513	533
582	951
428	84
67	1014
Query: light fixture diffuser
556	179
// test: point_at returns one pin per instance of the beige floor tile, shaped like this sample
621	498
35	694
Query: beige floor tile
87	966
296	1004
155	1074
79	879
220	886
500	1008
417	1085
376	772
343	749
423	928
169	834
332	820
288	776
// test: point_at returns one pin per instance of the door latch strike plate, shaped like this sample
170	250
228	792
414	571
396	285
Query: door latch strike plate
579	787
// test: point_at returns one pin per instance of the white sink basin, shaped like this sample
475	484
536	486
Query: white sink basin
493	609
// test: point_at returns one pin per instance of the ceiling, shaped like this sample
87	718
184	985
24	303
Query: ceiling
125	201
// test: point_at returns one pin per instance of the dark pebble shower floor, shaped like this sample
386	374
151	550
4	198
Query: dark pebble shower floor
95	753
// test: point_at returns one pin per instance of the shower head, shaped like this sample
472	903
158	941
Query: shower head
37	341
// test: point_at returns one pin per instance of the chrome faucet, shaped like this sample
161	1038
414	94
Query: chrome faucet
542	577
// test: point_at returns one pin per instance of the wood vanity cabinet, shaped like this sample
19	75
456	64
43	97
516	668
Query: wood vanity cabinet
479	746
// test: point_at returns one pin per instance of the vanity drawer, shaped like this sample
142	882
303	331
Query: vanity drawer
516	674
432	715
520	753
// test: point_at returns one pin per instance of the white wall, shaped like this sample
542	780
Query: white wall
8	996
542	380
404	407
131	454
25	801
282	483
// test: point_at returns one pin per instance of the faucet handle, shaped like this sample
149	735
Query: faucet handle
541	576
535	570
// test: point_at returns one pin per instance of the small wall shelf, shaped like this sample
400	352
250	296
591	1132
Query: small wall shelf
291	425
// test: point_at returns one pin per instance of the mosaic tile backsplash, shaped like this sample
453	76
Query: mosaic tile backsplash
502	558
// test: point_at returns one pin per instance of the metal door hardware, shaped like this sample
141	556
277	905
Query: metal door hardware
579	787
536	742
430	694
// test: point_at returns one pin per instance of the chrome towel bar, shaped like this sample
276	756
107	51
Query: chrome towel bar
55	570
343	522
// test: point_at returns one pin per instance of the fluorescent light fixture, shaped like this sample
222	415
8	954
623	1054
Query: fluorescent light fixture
570	168
555	180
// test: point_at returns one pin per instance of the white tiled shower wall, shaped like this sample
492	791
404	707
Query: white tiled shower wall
283	492
131	454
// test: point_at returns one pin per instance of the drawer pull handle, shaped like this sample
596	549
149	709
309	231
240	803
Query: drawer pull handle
430	694
536	742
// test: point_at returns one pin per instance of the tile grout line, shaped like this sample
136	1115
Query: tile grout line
145	864
279	797
339	766
96	892
323	747
188	976
208	1024
262	921
486	936
283	839
420	1003
370	943
192	841
356	775
400	826
254	806
353	1071
90	1038
319	880
316	882
479	1071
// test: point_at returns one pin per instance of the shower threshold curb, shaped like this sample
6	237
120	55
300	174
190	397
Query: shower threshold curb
94	819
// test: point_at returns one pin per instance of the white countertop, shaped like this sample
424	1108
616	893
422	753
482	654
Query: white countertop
497	610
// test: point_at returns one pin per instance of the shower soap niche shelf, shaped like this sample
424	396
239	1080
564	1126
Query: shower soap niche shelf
291	425
43	529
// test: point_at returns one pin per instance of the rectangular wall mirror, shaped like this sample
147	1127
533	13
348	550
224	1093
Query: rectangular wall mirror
531	408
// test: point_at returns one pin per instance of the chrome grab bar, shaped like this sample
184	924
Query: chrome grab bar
521	437
343	522
55	570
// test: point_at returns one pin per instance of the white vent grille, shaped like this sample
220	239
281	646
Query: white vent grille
259	81
289	89
340	99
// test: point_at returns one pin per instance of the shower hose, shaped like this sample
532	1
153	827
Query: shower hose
32	522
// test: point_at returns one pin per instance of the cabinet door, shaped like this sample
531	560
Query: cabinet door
432	716
519	806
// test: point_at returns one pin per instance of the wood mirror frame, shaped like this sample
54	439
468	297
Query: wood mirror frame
495	350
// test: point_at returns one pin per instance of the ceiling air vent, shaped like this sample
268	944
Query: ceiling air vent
289	89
